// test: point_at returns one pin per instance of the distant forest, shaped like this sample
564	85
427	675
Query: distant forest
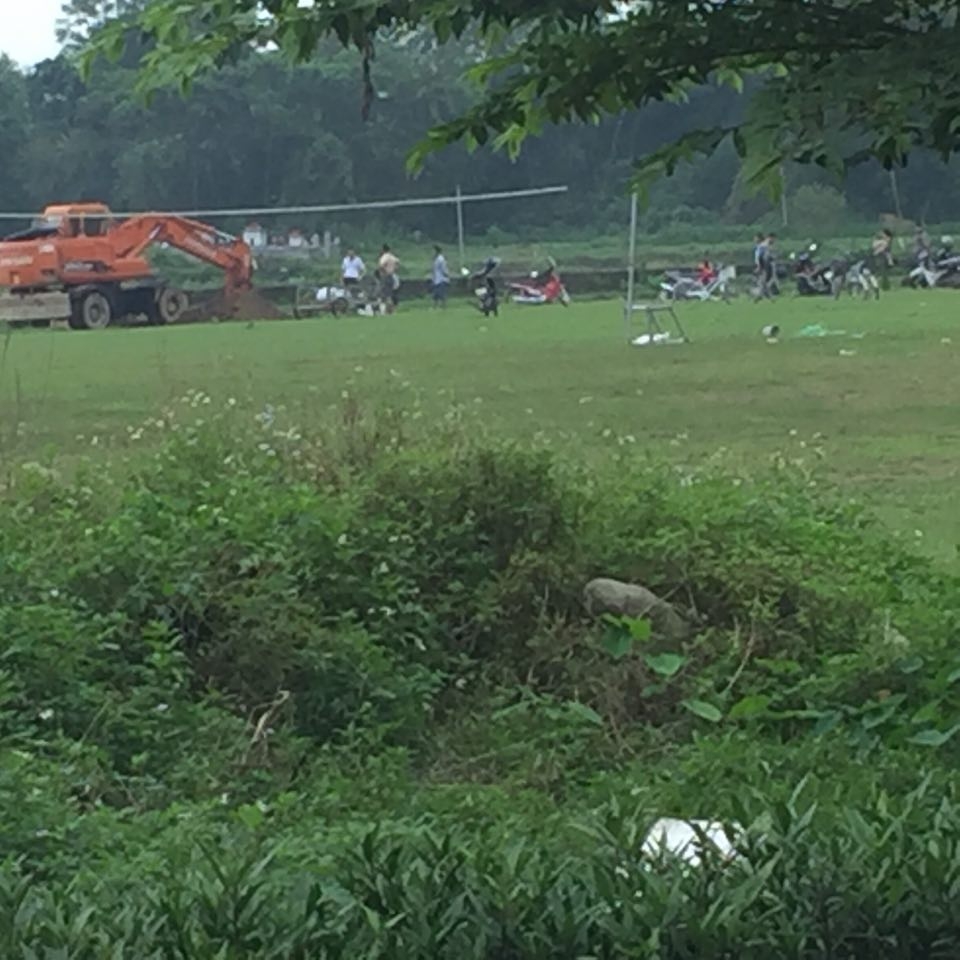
263	134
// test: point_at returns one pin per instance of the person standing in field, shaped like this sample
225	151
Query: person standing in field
765	267
387	269
352	270
440	278
882	250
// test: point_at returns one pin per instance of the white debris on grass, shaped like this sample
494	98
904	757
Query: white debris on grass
685	839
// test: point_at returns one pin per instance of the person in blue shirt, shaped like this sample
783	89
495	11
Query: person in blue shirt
758	241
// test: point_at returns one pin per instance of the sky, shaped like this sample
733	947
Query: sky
27	29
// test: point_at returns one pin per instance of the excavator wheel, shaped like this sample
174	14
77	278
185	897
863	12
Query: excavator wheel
92	311
171	306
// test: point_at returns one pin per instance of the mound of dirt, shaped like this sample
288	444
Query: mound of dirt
246	305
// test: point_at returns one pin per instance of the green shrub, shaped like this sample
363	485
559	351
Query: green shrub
878	880
305	636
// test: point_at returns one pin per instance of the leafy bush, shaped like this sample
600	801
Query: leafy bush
226	665
879	880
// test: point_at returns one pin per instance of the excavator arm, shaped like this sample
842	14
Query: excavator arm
230	254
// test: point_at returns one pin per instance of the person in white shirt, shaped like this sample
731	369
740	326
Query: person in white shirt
352	270
389	278
440	277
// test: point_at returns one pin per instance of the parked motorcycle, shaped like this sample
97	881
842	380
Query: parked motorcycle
940	269
829	280
813	279
679	285
544	288
488	299
860	279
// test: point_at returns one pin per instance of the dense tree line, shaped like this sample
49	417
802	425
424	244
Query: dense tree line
264	133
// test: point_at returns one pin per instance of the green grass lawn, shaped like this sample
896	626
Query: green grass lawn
883	406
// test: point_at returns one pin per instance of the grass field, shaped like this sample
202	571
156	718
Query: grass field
881	401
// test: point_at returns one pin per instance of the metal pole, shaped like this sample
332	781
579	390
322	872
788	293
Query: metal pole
463	251
631	268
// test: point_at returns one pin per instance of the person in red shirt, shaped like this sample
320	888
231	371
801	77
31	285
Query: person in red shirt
706	273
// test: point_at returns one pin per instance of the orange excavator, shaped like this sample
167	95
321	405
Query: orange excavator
80	264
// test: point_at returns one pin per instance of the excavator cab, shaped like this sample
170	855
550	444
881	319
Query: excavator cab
77	220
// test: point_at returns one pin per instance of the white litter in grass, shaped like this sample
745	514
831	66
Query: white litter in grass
646	339
685	839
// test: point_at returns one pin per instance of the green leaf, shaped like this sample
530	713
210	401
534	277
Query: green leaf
932	738
749	707
706	711
584	712
639	628
617	643
911	665
827	723
666	664
928	713
731	77
251	816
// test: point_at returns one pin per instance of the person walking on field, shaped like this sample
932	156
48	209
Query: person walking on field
882	250
389	278
767	267
352	270
440	278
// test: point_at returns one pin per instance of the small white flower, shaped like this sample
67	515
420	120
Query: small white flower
46	714
342	540
162	707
